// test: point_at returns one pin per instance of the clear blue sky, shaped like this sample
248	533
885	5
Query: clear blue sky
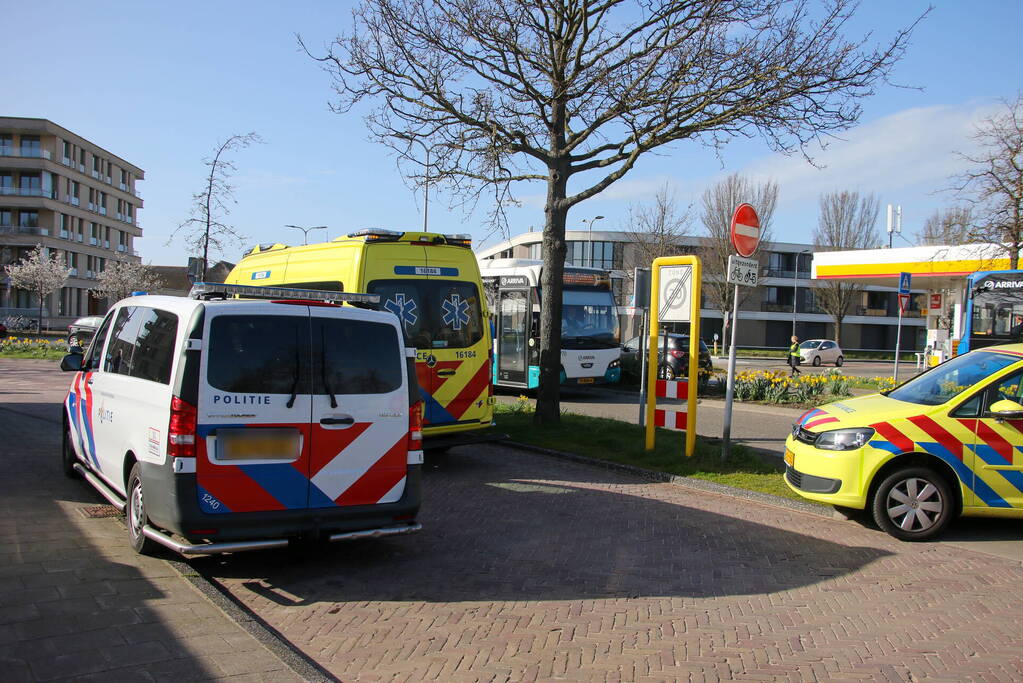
161	84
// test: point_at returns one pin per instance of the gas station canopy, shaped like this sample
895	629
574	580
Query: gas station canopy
932	268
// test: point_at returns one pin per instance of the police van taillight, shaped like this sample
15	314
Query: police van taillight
415	426
182	428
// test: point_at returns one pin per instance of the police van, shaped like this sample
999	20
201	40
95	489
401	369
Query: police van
431	282
221	424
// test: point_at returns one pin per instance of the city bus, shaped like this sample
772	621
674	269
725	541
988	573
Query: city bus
993	310
590	347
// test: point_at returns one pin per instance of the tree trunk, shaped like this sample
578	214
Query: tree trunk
838	330
548	407
39	323
1014	257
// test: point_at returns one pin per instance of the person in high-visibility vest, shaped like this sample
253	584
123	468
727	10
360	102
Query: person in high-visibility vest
794	356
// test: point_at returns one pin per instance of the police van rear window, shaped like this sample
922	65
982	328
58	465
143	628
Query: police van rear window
355	357
266	354
282	354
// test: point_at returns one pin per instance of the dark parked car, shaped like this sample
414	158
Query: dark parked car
677	363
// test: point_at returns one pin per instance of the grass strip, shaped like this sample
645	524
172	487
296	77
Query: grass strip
621	442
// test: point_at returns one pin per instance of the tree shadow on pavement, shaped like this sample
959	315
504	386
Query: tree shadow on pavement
502	525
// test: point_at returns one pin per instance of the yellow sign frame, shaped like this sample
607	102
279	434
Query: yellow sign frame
694	346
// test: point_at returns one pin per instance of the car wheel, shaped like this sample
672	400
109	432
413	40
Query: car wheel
913	504
135	514
816	361
67	456
665	372
839	361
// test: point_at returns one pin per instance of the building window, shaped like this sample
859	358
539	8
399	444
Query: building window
6	143
602	255
536	251
5	218
28	219
67	152
30	146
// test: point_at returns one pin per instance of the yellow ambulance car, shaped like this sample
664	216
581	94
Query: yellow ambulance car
431	282
945	443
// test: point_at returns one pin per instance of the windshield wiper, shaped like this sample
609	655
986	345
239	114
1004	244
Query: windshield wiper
323	368
294	383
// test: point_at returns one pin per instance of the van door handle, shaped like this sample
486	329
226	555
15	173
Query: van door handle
345	420
447	372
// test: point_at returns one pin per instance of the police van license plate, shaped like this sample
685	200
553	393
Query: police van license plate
258	444
585	380
790	458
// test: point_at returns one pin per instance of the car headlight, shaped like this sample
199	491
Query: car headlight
844	439
614	364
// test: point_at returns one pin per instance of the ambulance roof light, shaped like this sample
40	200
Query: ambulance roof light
459	240
377	235
217	290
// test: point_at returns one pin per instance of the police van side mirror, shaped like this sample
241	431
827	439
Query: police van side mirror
72	362
1006	410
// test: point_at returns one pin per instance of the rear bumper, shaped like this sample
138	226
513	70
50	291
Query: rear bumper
172	503
444	441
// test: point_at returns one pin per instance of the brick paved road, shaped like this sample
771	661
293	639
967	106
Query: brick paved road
75	601
534	568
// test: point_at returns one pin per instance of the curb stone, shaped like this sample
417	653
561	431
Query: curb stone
267	636
689	482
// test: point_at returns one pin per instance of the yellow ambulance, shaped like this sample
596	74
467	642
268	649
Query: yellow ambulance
431	282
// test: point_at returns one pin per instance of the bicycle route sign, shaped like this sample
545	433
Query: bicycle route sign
743	271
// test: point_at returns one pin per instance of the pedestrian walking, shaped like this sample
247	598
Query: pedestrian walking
794	357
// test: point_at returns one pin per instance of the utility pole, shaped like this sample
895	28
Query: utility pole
305	231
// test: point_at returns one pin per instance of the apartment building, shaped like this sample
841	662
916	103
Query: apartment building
74	198
783	301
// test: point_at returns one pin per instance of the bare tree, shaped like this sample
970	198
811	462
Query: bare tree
40	274
719	204
994	183
206	229
572	93
946	226
121	277
847	221
656	229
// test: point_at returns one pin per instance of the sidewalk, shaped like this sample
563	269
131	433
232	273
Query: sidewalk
75	600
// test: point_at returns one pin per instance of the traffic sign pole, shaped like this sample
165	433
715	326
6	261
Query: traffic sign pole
898	343
726	435
905	280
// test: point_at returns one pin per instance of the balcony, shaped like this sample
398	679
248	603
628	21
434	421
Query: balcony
121	248
23	230
27	192
73	201
93	241
95	174
73	272
65	234
28	152
68	162
102	210
106	244
772	307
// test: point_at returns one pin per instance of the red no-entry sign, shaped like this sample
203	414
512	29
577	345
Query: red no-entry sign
745	230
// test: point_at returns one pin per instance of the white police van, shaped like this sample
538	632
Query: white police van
222	424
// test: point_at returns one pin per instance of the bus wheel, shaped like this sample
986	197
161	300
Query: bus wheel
913	504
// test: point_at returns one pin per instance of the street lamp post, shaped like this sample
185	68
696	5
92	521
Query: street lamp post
795	289
589	235
305	231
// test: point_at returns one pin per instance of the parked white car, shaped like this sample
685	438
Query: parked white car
817	351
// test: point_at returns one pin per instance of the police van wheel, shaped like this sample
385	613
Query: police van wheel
816	361
68	457
135	514
913	504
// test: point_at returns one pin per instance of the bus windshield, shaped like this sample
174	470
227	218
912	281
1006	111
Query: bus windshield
589	320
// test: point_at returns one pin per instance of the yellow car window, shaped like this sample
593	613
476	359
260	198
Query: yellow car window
946	381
